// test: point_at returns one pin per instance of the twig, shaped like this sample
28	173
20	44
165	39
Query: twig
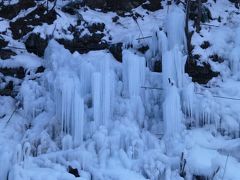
145	87
144	37
13	47
11	116
225	167
222	97
215	172
209	25
216	96
135	20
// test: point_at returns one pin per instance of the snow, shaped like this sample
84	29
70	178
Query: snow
28	61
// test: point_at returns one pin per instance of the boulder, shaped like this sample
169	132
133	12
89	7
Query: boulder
200	74
35	44
6	53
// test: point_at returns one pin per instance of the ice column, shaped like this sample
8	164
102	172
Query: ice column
133	73
235	60
133	79
102	94
175	23
96	96
172	114
187	99
70	106
106	92
173	63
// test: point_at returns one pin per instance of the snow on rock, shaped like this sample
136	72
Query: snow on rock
28	61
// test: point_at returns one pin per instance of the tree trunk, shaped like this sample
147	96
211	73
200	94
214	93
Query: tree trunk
199	16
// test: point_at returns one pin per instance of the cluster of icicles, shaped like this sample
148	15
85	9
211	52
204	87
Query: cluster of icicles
72	81
77	85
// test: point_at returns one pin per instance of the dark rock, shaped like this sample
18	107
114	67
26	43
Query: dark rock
11	11
196	56
24	25
119	6
7	90
116	50
200	74
95	27
153	5
95	4
3	43
35	44
85	44
157	66
115	18
205	45
6	53
198	177
14	72
143	49
216	58
71	8
73	171
40	69
206	13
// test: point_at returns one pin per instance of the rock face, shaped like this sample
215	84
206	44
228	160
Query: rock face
11	11
14	72
85	44
114	5
153	5
24	25
116	50
200	74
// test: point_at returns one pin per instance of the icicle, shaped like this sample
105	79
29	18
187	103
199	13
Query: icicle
67	142
173	68
235	60
70	105
167	69
133	73
96	96
86	71
172	114
162	42
106	92
18	156
188	99
175	24
77	120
